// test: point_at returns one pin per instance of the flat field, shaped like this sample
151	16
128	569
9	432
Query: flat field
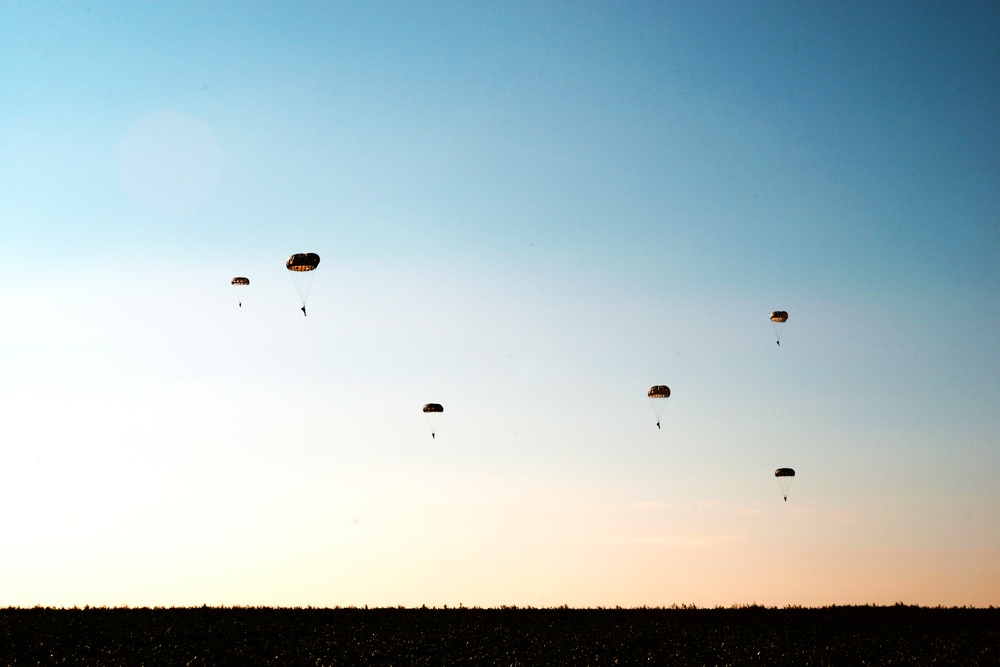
897	635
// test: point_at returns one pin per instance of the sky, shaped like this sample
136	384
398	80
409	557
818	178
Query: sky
528	213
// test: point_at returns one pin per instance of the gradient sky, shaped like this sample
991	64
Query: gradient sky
528	213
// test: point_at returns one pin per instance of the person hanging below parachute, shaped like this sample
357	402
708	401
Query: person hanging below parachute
658	395
240	284
433	413
784	476
302	265
778	319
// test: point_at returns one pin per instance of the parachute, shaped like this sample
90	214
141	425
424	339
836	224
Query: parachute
433	413
784	476
658	395
240	284
778	319
301	265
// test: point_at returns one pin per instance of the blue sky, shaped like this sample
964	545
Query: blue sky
528	214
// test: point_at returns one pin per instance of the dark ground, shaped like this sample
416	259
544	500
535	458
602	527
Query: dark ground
898	635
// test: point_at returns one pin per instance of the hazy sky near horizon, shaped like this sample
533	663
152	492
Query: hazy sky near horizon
528	213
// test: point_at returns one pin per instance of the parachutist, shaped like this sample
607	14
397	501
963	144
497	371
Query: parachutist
303	309
302	264
658	394
433	413
778	319
785	477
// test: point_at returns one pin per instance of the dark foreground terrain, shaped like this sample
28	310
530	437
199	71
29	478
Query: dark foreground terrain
508	636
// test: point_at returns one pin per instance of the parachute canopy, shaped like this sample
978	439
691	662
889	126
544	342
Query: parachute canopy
779	316
784	472
240	281
659	391
433	407
302	261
